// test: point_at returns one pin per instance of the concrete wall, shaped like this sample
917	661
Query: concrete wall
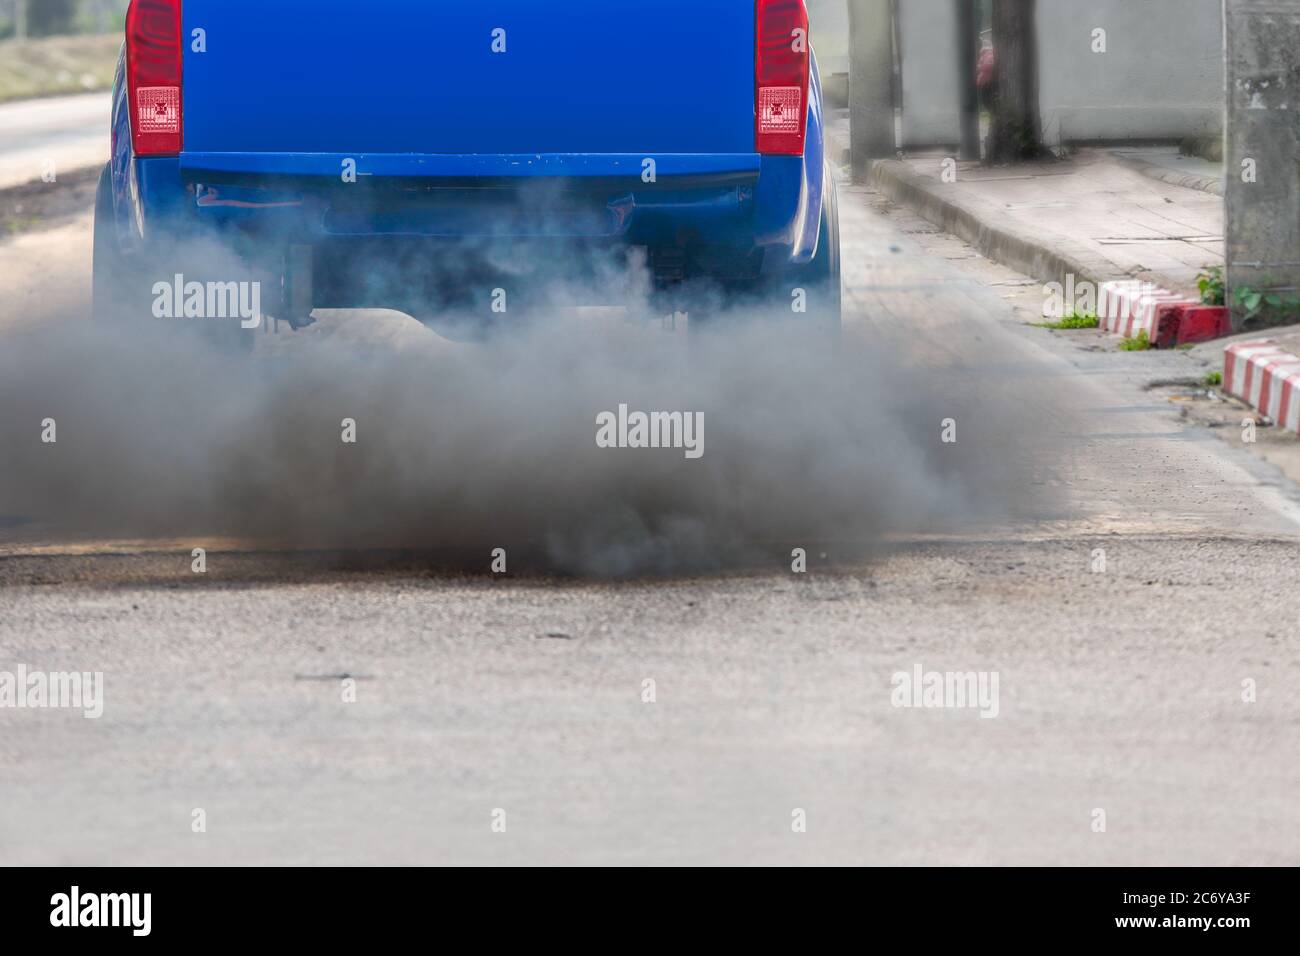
931	104
828	22
1161	76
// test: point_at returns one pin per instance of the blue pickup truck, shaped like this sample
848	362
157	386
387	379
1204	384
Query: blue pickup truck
328	145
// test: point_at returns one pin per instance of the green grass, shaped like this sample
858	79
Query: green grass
1214	379
1075	320
51	66
15	226
1139	343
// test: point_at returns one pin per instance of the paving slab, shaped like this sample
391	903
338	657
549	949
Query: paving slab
1092	216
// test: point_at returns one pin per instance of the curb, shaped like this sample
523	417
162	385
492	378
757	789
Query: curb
1267	378
1205	184
1125	307
1036	260
839	142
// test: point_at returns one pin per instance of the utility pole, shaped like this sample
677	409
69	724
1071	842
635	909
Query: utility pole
1262	156
967	58
871	83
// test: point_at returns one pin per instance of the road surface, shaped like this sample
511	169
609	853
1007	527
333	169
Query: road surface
1121	691
46	136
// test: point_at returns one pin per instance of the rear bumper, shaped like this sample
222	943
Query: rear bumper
745	202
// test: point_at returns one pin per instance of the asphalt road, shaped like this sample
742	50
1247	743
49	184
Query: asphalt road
47	136
1119	691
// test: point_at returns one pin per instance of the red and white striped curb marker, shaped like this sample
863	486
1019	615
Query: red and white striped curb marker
1267	378
1114	303
1129	307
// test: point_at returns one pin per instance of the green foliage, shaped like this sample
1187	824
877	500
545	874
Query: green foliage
1274	306
1139	343
1210	282
1214	379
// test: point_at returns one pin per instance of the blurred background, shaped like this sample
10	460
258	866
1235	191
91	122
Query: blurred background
49	47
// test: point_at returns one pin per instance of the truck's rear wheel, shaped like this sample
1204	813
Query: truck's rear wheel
803	299
108	269
122	287
820	278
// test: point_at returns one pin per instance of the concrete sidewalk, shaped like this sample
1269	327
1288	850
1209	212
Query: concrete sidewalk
1095	216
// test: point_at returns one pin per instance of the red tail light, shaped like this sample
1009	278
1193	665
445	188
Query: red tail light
781	69
153	75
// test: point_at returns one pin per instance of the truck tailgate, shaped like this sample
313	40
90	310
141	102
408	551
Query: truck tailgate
421	77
